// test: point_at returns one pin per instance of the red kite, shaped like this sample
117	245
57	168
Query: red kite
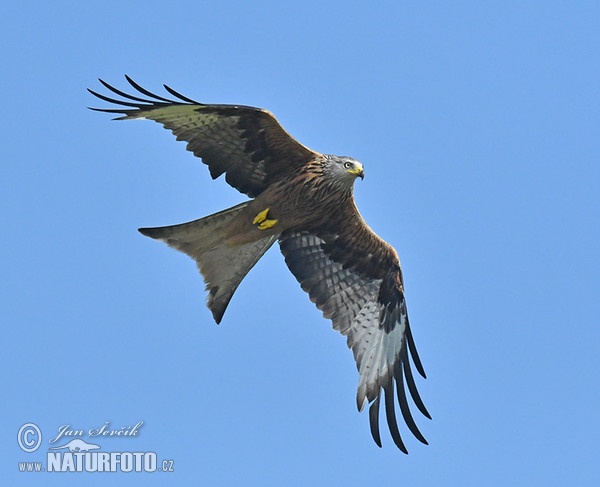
304	200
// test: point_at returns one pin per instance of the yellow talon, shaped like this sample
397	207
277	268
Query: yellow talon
261	217
267	224
262	221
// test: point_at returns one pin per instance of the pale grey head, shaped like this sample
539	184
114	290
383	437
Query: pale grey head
343	170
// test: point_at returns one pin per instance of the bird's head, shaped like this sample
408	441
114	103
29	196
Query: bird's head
345	168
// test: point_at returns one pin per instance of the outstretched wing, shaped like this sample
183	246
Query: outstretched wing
354	277
247	144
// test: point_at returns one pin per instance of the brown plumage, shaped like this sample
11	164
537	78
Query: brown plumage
304	200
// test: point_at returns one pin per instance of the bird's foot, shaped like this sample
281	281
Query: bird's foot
262	221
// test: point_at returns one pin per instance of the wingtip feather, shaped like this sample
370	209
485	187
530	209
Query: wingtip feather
414	353
390	414
374	422
410	382
404	407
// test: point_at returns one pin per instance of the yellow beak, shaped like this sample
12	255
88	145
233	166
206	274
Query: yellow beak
358	171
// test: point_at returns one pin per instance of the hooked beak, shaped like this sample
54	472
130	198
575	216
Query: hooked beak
358	171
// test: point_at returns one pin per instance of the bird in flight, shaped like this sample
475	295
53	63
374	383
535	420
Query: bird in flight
303	200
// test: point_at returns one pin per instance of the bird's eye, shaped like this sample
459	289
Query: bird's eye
347	165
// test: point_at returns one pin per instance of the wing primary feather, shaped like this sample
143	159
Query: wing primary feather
117	102
401	393
125	113
144	91
413	352
390	415
180	96
122	93
374	421
412	387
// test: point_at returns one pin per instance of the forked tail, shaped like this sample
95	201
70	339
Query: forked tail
222	266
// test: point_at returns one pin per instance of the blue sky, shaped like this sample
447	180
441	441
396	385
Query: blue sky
478	126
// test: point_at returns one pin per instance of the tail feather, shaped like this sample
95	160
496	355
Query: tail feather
198	236
223	266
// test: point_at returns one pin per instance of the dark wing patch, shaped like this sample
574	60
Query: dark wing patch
378	331
247	144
